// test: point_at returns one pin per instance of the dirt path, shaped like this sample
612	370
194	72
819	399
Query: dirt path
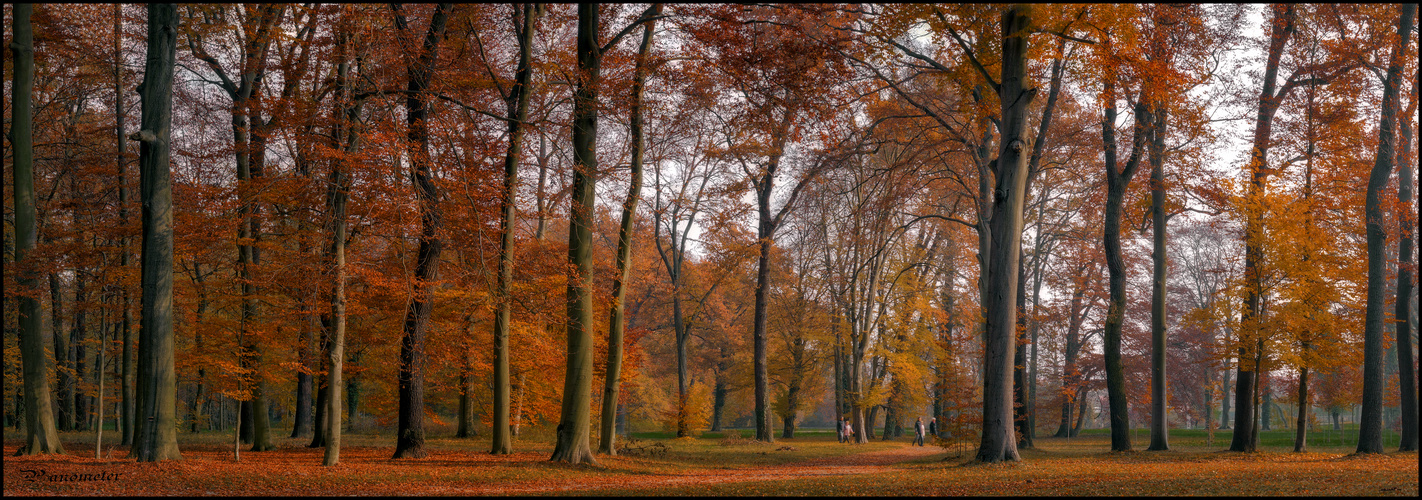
862	463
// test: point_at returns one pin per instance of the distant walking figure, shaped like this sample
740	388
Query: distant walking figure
848	431
839	428
933	426
918	431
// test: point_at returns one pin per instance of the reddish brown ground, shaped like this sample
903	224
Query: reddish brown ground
210	470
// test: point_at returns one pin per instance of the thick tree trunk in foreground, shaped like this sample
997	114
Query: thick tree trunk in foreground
156	436
410	431
574	427
1370	424
41	436
998	440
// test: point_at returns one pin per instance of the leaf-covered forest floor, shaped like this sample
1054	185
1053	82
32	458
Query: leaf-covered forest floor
813	464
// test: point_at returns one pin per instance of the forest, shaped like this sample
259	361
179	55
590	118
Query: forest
584	234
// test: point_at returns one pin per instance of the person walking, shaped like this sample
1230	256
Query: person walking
918	431
839	428
848	431
933	427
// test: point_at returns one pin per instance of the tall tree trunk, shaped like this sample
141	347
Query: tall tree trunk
336	356
410	430
574	432
616	324
765	230
998	440
762	281
156	436
1159	429
1116	183
126	402
345	136
1283	28
517	102
1370	425
1407	377
40	433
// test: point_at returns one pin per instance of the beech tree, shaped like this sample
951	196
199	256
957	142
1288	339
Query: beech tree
617	324
574	429
41	436
517	104
419	68
156	433
1370	422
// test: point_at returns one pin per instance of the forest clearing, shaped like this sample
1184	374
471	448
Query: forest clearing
347	249
717	466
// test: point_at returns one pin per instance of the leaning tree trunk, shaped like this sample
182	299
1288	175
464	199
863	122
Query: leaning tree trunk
574	430
41	436
410	431
998	440
502	442
1370	423
156	436
617	323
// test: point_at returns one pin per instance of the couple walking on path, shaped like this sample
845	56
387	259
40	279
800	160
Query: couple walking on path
846	430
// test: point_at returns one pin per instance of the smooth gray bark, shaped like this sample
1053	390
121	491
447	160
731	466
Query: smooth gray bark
999	442
156	436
